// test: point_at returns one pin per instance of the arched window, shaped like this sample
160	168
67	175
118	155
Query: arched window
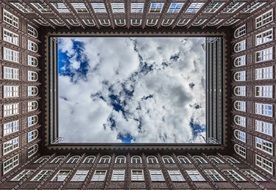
32	91
32	135
73	160
216	159
57	160
32	120
152	160
240	150
240	76
240	120
32	46
42	159
152	22
200	160
240	61
240	106
136	160
32	76
167	22
120	22
136	22
240	90
32	61
32	150
120	160
168	160
32	106
104	22
105	160
240	135
240	46
89	160
231	159
32	31
241	31
183	160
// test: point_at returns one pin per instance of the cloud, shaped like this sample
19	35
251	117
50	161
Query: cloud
133	89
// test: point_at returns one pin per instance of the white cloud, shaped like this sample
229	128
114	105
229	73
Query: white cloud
162	101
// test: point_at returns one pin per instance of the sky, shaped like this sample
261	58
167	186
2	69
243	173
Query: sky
131	89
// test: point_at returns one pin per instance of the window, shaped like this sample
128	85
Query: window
32	120
231	159
32	31
42	7
88	22
240	90
156	175
10	37
11	109
89	160
254	175
32	90
10	19
32	135
183	22
137	175
240	120
167	160
214	22
42	159
10	127
61	175
99	175
230	22
41	22
175	7
240	135
57	22
118	7
120	22
73	22
200	160
57	160
241	31
11	55
156	7
183	160
240	76
80	175
240	61
43	174
152	22
195	175
10	145
152	160
264	145
105	160
264	91
32	76
118	175
199	22
167	22
23	8
216	159
73	160
176	175
233	7
240	106
240	150
264	164
32	106
264	55
11	91
213	7
136	22
104	22
253	6
240	46
264	37
32	61
213	175
61	7
23	175
137	7
99	7
79	7
264	73
232	174
194	7
264	19
136	160
32	46
10	164
32	150
264	127
120	160
264	109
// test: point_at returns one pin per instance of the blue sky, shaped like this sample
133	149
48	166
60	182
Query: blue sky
131	90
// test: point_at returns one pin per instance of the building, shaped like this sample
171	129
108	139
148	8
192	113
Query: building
32	158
